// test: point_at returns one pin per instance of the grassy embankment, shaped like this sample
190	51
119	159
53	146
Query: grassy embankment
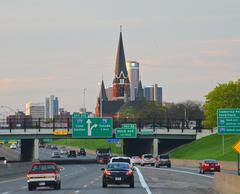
209	147
90	144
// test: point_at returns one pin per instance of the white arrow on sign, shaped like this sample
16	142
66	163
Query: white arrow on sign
90	128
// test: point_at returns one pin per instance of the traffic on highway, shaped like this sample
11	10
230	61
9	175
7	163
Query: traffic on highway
114	174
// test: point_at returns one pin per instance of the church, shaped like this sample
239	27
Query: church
120	88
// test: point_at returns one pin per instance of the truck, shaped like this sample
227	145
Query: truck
103	155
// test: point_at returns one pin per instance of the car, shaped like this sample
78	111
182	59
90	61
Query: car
3	160
163	160
72	154
136	160
103	155
147	159
41	145
53	147
56	154
13	146
118	173
122	159
82	152
63	151
209	165
44	174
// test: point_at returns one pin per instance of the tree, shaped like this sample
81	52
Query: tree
225	95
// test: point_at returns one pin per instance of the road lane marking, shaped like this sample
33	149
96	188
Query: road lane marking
91	182
12	180
85	186
181	171
96	179
5	192
142	181
77	191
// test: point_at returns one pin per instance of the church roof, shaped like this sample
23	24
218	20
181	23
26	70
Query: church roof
103	92
120	65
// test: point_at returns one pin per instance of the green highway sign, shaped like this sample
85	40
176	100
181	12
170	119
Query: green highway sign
146	132
80	115
91	127
228	121
127	131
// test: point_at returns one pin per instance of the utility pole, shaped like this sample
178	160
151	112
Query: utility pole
84	92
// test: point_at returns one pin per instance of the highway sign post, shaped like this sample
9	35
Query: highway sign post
91	127
126	131
228	122
236	147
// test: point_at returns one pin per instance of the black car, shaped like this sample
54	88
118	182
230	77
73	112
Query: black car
72	154
163	160
82	152
118	173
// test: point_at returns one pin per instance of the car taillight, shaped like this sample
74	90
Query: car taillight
217	164
206	164
106	172
129	172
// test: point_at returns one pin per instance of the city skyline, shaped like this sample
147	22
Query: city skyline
62	49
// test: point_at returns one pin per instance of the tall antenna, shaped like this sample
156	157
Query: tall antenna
121	28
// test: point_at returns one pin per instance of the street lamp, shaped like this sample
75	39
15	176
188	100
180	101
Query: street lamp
84	92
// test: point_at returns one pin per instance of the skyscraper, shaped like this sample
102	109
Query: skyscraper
153	93
51	107
133	74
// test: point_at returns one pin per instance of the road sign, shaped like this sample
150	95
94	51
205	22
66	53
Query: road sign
228	121
91	127
60	132
127	131
113	140
236	147
146	132
80	115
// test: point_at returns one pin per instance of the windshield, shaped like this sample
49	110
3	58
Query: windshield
118	166
164	156
211	161
43	167
121	160
148	156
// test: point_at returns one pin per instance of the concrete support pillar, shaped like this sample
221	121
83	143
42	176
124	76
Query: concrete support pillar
155	147
36	150
27	146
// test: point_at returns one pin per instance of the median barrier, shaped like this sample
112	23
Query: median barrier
10	169
226	183
195	163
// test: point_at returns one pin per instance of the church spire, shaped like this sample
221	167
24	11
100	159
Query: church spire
120	65
102	93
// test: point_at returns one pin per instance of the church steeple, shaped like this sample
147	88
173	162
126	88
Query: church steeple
121	85
120	65
102	93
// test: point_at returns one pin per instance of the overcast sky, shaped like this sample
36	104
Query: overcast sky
62	46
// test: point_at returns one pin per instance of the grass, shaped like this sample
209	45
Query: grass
90	144
208	147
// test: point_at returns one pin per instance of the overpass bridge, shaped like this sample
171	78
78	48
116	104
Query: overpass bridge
143	143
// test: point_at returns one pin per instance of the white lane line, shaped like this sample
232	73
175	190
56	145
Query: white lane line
85	186
12	180
5	192
77	191
181	171
96	179
142	181
91	182
65	175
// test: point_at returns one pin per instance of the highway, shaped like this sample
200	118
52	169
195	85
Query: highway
87	178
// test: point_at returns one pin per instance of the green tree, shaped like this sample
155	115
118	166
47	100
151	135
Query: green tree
225	95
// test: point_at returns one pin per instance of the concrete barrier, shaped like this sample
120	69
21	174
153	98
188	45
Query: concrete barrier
14	169
195	163
226	183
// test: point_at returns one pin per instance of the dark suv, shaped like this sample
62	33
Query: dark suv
72	154
82	152
163	160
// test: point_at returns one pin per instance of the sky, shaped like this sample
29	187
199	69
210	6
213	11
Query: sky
60	47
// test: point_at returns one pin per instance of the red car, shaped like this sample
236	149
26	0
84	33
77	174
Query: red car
209	166
44	174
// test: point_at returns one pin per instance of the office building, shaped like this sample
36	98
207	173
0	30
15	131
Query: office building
35	110
153	93
133	74
51	107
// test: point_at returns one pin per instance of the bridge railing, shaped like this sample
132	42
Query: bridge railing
156	124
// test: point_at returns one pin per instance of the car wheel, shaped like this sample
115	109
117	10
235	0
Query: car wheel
56	186
157	166
169	166
203	171
30	187
200	172
59	185
131	184
104	184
